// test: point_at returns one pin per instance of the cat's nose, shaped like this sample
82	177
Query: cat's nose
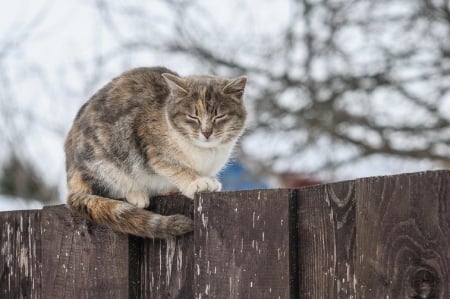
207	134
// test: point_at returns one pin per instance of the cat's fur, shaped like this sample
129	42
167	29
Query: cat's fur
150	132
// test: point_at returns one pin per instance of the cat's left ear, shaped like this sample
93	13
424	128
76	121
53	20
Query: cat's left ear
235	86
175	83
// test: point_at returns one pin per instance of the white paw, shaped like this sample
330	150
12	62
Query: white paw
140	200
202	184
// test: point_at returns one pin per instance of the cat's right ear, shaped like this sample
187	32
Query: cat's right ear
175	83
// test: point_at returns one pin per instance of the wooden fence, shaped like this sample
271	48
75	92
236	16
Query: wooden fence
381	237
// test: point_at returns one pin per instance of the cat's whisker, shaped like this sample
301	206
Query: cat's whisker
149	132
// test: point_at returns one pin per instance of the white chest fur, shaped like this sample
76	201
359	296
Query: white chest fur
208	161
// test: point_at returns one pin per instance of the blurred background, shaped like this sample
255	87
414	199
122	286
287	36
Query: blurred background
337	89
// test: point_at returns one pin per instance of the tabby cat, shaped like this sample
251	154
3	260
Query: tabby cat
150	132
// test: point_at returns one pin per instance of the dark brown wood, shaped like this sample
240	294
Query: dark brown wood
80	259
242	245
382	237
164	268
403	236
326	239
20	250
52	253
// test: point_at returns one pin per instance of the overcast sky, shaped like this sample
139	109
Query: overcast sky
62	38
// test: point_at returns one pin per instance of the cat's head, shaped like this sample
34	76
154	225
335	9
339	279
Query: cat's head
208	111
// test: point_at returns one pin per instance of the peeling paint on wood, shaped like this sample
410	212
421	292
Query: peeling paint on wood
382	237
19	255
164	268
244	241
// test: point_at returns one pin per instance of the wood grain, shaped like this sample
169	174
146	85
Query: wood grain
81	259
242	245
326	241
403	236
164	268
382	237
20	250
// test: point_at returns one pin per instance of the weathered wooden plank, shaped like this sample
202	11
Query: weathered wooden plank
326	238
403	236
20	253
164	268
242	245
385	237
80	259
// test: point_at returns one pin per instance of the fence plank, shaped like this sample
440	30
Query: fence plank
326	241
164	268
403	229
80	259
242	245
383	237
20	272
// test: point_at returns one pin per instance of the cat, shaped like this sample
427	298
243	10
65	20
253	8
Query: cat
151	132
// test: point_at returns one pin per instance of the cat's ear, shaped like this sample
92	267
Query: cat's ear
175	83
235	86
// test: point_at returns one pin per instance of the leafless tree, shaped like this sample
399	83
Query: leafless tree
340	80
18	176
332	84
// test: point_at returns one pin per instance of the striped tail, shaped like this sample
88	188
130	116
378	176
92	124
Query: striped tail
124	217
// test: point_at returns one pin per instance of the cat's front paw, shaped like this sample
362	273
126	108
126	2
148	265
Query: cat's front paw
202	184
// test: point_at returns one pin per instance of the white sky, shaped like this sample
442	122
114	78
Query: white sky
70	33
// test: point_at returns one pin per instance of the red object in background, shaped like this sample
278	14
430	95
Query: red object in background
295	180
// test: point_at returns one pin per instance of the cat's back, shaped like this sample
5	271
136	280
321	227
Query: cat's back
144	83
137	91
141	87
111	113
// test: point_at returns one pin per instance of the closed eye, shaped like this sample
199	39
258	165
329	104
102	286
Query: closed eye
193	118
219	117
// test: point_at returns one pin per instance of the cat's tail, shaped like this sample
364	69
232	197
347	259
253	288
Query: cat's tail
124	217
